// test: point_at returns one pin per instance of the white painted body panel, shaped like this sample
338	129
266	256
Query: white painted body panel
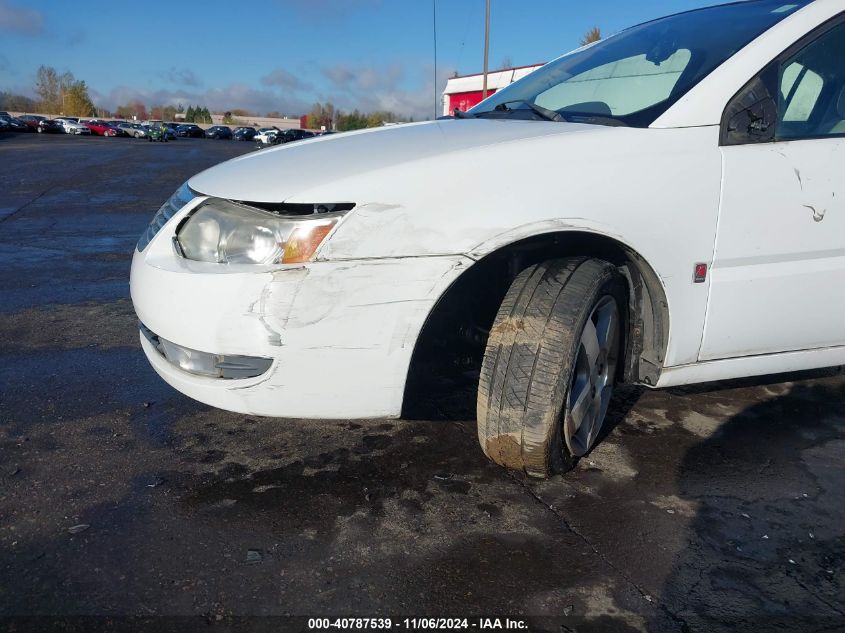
341	335
431	199
654	183
711	370
778	275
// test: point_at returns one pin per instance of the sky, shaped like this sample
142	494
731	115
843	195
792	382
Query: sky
284	55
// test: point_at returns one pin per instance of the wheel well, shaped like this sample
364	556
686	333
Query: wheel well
450	347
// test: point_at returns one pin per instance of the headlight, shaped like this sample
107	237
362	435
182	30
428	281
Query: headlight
178	200
229	233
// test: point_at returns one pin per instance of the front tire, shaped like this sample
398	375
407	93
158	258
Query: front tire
550	364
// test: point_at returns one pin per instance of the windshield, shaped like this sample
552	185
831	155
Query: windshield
633	77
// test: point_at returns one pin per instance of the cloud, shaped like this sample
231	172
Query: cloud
181	76
384	87
408	91
339	74
20	20
284	80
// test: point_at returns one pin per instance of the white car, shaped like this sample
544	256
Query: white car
666	206
71	126
265	135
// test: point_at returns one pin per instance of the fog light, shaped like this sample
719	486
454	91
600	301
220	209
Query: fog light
228	366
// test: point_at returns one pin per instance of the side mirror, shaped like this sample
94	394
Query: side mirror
751	116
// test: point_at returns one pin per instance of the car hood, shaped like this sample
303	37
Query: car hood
280	173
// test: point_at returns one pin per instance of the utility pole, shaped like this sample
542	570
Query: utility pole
486	47
434	36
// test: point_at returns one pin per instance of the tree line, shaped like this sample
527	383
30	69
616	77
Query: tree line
62	93
328	116
197	114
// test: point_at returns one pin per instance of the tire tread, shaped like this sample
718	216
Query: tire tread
526	368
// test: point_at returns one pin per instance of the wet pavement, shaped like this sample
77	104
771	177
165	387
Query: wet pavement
710	508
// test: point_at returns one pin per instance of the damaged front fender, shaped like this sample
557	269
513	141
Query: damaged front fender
324	324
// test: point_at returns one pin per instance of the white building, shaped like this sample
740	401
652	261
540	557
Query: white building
465	91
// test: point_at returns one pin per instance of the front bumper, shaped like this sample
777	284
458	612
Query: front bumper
199	363
339	335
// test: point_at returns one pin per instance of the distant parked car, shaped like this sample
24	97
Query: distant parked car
15	124
288	136
135	130
218	132
190	130
100	128
266	134
75	127
69	119
31	121
49	126
116	125
244	134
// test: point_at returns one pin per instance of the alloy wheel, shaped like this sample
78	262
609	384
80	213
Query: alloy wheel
592	377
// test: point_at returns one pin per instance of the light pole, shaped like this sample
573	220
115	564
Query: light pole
434	37
486	48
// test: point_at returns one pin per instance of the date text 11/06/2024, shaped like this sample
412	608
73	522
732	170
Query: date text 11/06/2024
435	624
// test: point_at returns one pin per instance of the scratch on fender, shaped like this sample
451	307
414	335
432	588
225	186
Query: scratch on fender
818	216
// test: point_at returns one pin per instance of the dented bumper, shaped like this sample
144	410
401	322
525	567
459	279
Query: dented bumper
339	334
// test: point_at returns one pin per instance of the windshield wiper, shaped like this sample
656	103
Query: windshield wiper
545	113
594	119
460	114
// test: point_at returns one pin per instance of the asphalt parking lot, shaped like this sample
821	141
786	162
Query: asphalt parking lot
717	507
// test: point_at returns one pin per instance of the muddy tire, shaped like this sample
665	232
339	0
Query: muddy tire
550	364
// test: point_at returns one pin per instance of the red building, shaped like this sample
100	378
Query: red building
465	91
